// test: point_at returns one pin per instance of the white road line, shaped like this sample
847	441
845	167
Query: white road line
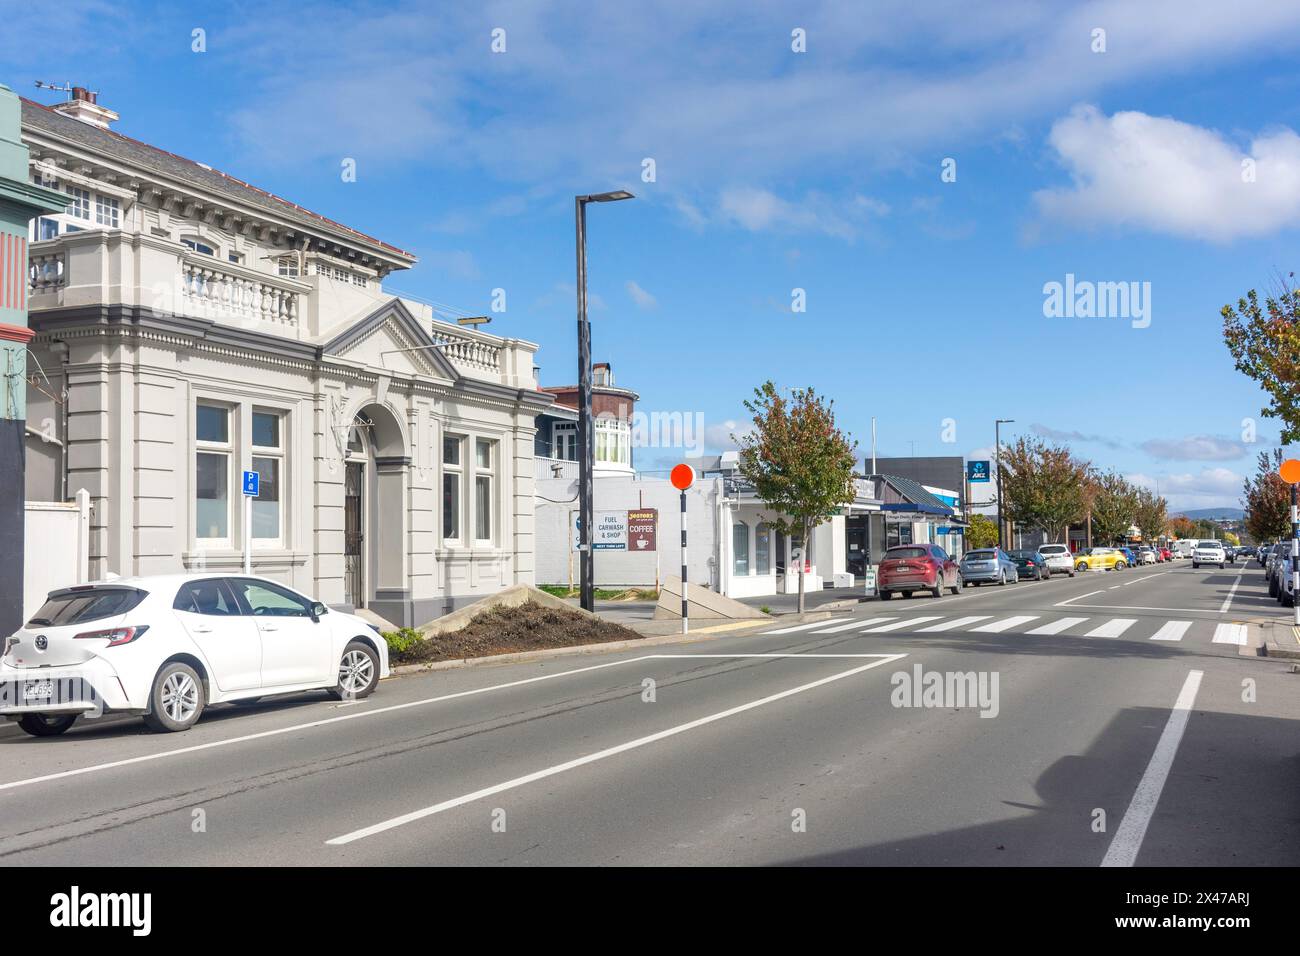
1231	591
858	622
601	754
997	627
211	745
956	623
1230	634
1143	607
727	657
1112	628
801	627
1124	847
1073	599
1171	631
1056	627
899	625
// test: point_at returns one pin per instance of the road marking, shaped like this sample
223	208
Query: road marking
1124	848
997	627
956	622
213	744
1073	599
1112	628
1231	591
899	625
1056	627
1171	631
801	627
1230	634
1143	607
602	754
858	622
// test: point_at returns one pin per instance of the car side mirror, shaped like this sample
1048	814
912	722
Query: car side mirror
317	610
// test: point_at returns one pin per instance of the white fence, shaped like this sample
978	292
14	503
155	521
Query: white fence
57	548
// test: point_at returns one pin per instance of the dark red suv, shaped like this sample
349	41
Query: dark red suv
917	567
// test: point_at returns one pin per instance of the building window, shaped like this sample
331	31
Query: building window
613	441
199	246
763	549
287	266
212	458
80	204
107	211
268	462
740	547
564	444
235	257
483	455
47	228
452	473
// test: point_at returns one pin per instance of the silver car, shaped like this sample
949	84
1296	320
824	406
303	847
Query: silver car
991	565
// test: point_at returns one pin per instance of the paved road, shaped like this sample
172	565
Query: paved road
1118	694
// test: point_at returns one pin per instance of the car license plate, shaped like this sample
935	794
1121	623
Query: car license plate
38	690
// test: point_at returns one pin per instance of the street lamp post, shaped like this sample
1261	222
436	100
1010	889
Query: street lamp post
997	460
586	512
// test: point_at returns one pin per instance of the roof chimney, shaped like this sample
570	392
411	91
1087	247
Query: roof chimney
84	106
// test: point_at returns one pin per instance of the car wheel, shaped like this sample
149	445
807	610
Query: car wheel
1220	565
1272	587
937	590
1002	579
1072	572
958	586
47	725
886	595
976	583
1195	565
177	699
1287	599
907	594
358	672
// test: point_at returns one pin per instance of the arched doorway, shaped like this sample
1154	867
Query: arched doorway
374	512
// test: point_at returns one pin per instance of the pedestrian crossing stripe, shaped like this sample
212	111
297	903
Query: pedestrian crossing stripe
1171	631
1056	627
899	625
1112	628
997	627
845	627
955	623
801	627
1230	634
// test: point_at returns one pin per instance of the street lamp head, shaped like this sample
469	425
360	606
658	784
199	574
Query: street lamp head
614	196
473	319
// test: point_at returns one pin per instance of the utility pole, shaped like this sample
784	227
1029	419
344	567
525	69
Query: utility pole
997	458
586	463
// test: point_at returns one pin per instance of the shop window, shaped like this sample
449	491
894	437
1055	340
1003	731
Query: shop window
740	547
763	549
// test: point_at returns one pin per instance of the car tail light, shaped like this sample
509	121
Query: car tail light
114	635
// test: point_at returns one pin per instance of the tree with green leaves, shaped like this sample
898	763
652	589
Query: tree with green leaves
1114	507
1152	514
1043	486
982	533
800	464
1267	500
1265	344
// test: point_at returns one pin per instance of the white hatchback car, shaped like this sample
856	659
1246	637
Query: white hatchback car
1059	558
1209	551
167	646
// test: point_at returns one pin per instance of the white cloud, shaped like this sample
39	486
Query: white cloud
1194	448
1056	434
1163	175
718	435
1208	488
642	298
759	209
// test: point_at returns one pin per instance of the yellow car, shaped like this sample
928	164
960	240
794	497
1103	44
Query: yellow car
1099	559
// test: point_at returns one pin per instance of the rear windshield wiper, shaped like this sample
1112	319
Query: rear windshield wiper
41	620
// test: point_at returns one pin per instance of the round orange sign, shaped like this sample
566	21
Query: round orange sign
1290	471
683	476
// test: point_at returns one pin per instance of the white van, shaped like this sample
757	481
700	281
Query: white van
1184	547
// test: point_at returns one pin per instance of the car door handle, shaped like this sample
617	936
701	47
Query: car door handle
203	629
269	627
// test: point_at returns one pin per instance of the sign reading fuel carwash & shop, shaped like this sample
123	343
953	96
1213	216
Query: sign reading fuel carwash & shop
619	530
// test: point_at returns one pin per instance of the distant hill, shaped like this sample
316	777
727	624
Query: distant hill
1214	514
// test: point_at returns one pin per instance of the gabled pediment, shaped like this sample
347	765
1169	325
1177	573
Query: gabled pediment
390	337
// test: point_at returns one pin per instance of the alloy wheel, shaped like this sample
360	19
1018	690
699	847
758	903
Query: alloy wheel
180	697
356	671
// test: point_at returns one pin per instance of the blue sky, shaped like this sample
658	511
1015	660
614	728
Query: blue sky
778	170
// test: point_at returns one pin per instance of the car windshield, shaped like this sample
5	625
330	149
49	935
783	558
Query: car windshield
86	604
894	554
1209	544
1021	554
978	556
1052	549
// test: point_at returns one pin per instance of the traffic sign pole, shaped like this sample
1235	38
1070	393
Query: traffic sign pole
682	477
252	488
1295	553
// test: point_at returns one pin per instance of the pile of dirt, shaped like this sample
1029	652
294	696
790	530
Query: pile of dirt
505	630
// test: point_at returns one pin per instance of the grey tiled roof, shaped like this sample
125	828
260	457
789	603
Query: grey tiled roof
112	144
914	491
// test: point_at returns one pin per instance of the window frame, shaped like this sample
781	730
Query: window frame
225	450
740	564
278	454
486	475
454	470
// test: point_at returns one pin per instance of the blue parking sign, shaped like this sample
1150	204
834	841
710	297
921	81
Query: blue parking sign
251	482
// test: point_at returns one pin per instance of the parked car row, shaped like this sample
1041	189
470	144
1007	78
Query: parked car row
907	569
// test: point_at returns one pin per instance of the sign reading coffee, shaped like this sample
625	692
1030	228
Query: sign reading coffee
641	529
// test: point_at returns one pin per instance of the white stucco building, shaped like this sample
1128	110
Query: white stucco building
190	326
